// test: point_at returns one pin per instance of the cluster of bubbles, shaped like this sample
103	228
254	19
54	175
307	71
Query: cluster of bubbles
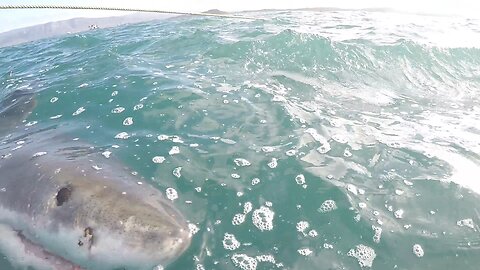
230	242
240	217
304	251
241	162
263	218
158	159
365	255
327	206
171	194
244	262
377	233
418	250
177	172
273	163
468	222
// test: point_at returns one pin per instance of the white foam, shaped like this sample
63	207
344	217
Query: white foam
122	135
244	262
230	242
365	255
300	179
158	159
468	222
327	206
273	163
238	219
418	250
177	172
263	218
118	110
79	111
128	121
241	162
175	150
304	251
171	194
247	208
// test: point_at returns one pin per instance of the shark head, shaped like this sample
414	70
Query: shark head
117	223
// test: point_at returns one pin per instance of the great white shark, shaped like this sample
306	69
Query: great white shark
65	206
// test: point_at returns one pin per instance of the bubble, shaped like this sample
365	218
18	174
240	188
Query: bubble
238	219
235	176
244	262
327	206
313	233
347	153
56	116
53	99
302	226
291	152
263	218
163	137
175	150
418	250
377	233
118	110
96	167
304	251
106	154
158	159
193	229
31	123
122	135
83	85
79	111
327	246
200	267
177	172
268	149
39	154
265	258
255	181
365	255
137	107
128	121
247	208
468	222
114	93
398	214
300	179
399	192
230	242
362	205
171	194
273	163
408	183
241	162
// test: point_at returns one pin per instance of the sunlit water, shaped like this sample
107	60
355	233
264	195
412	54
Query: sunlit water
328	140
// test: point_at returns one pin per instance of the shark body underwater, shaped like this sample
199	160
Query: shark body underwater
58	212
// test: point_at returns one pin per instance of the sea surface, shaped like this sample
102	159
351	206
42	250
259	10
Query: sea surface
307	140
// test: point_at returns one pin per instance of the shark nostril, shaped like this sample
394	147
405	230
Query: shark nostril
63	195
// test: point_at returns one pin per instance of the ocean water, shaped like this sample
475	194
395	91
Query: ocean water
308	140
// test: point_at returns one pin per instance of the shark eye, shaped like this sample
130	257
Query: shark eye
63	195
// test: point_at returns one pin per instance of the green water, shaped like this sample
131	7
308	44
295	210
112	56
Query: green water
378	111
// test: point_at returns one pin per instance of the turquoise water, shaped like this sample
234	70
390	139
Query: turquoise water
353	136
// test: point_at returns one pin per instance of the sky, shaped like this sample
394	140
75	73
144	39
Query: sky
12	19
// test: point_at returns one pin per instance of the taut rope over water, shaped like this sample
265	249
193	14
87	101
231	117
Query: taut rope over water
124	9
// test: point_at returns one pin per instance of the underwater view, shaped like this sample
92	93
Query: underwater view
302	140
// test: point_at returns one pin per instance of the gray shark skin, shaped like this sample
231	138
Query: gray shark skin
65	197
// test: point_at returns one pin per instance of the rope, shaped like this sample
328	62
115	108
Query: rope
123	9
